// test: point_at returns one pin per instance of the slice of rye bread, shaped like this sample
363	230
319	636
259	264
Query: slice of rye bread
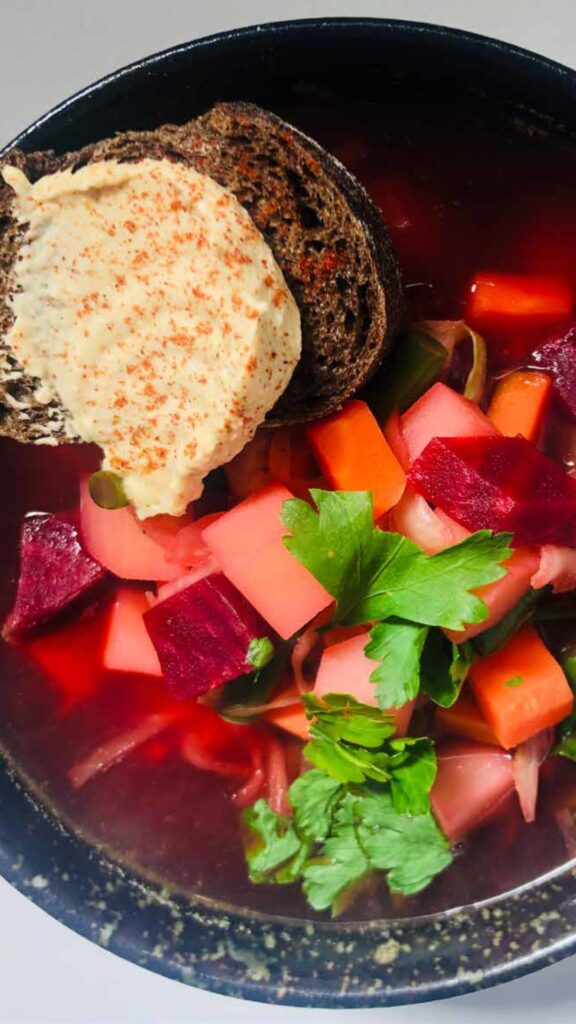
325	232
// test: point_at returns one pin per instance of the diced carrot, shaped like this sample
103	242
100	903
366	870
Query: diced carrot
520	403
355	456
465	719
291	718
521	689
496	297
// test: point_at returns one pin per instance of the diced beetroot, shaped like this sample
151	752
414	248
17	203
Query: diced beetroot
344	668
121	543
127	644
442	412
247	544
503	594
557	566
55	571
558	356
204	567
70	657
201	635
471	782
499	483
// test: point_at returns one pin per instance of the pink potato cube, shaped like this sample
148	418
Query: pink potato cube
127	644
344	668
442	412
247	544
122	544
472	781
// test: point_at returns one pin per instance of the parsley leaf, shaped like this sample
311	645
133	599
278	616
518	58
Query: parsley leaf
272	844
342	861
338	543
411	849
412	773
314	797
340	835
376	575
444	668
342	717
347	738
514	681
435	590
398	647
351	743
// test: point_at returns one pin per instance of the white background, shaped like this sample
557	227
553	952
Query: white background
49	49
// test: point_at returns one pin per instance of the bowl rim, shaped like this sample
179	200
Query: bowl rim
392	954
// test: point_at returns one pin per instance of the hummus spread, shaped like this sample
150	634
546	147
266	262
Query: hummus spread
148	303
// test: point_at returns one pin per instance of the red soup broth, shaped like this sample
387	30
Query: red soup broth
460	192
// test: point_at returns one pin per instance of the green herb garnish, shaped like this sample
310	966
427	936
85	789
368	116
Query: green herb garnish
514	681
363	808
375	575
107	490
260	651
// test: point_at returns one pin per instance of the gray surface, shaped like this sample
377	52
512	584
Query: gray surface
48	49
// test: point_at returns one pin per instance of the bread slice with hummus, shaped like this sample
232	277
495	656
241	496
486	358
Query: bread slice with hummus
283	256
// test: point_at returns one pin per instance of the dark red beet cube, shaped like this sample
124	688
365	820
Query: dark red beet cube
55	571
558	356
499	483
201	635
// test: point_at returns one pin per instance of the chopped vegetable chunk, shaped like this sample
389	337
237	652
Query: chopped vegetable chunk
441	412
247	543
202	635
471	782
465	719
121	543
499	483
355	456
557	355
127	644
520	403
521	689
496	299
55	571
345	668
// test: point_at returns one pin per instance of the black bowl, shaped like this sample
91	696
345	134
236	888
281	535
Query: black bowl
285	66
